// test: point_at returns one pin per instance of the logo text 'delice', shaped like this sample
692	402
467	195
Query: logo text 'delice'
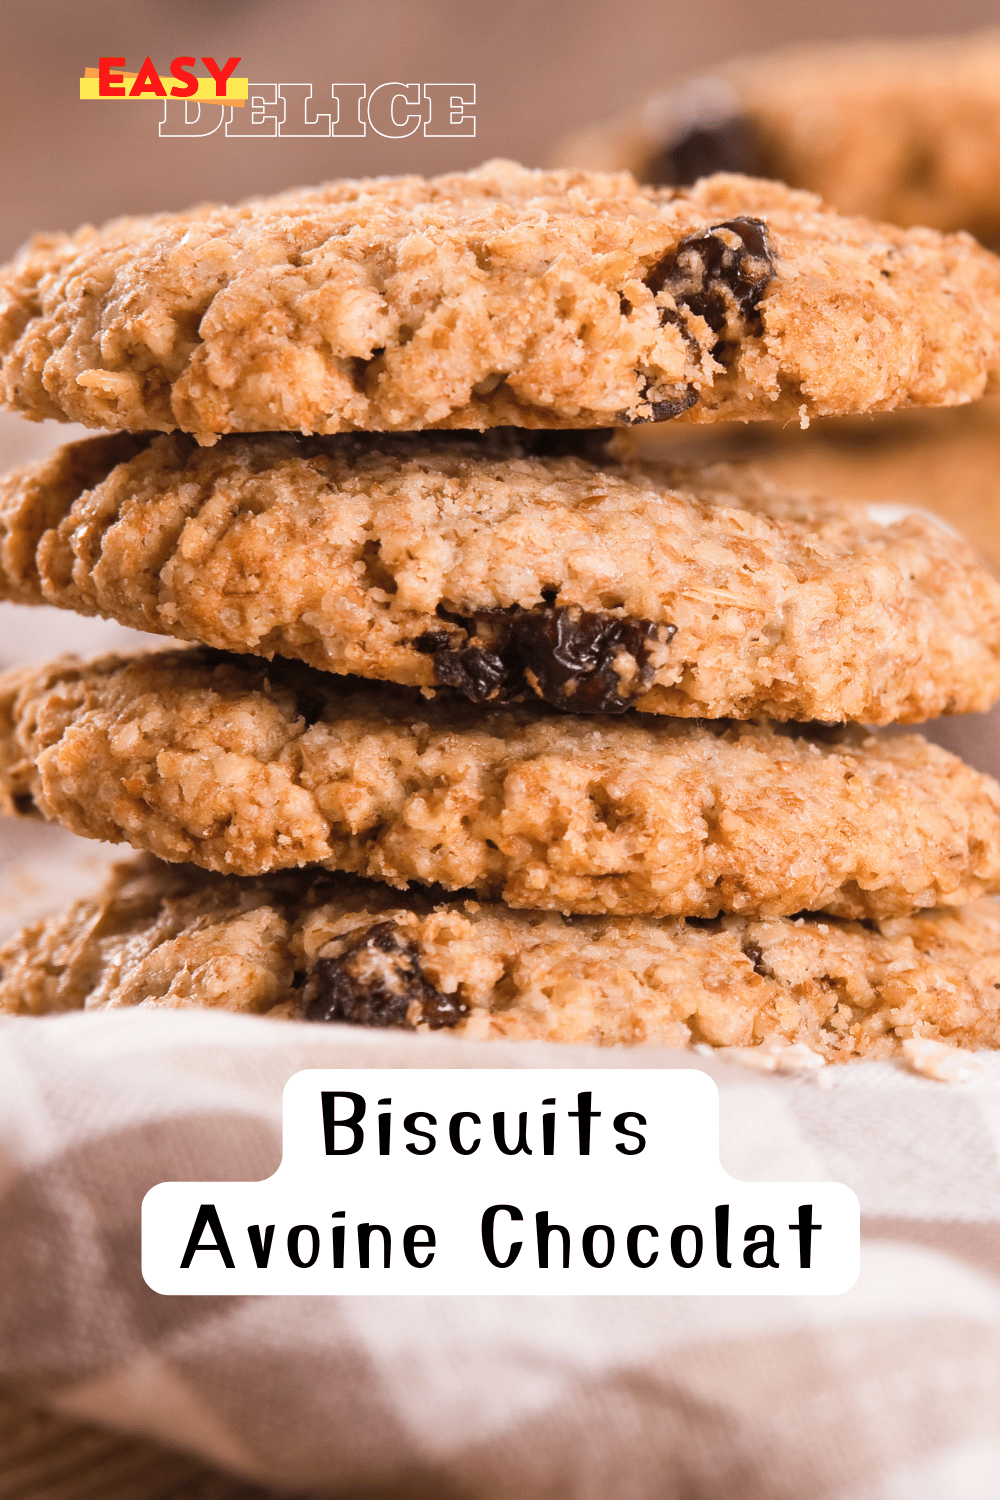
295	111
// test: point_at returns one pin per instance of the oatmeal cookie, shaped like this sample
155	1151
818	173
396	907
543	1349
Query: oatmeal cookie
245	768
479	565
325	948
907	131
495	297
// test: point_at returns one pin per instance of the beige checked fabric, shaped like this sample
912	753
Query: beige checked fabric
889	1392
47	1457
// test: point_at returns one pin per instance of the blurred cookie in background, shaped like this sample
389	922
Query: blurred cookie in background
945	461
907	131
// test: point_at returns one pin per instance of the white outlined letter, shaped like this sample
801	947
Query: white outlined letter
178	118
348	120
262	113
297	121
447	114
382	103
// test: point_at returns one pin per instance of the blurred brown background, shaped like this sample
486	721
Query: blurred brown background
540	70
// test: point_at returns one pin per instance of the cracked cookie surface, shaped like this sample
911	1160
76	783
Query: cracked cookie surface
496	297
245	768
296	945
502	572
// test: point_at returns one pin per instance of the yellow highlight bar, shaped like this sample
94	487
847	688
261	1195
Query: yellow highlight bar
237	90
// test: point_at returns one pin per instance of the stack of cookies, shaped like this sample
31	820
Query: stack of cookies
489	724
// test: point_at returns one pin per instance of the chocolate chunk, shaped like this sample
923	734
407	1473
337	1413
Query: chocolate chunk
755	954
432	641
579	660
375	982
479	675
663	410
572	656
729	146
23	804
720	274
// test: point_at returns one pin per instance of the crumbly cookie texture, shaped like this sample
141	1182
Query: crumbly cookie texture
479	565
246	768
295	945
496	297
907	131
945	461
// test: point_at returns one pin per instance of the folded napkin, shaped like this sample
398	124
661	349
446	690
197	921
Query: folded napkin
890	1390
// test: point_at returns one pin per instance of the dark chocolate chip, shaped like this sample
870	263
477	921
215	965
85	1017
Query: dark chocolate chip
432	641
375	982
23	804
479	675
571	655
566	655
662	411
755	954
669	316
720	274
729	146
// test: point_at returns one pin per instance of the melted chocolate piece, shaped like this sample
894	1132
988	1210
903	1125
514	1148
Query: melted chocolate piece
729	146
479	675
662	411
374	982
720	274
565	654
755	954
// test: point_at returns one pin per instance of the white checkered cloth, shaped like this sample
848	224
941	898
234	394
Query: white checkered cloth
892	1390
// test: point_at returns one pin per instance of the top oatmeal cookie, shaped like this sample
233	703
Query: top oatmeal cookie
496	297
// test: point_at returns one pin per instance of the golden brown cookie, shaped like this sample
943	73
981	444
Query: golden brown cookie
450	561
246	768
495	297
324	948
